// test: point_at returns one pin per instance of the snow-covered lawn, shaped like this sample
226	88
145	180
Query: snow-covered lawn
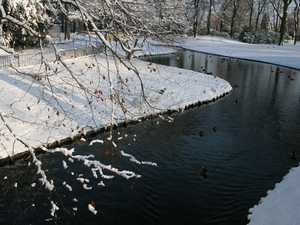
38	113
286	55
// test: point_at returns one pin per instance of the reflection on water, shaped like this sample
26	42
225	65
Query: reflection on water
258	127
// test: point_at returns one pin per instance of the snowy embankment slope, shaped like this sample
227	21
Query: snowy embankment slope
287	55
40	113
282	205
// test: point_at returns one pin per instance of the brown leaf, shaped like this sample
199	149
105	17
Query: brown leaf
28	108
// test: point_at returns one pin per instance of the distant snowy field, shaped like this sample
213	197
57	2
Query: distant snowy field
286	55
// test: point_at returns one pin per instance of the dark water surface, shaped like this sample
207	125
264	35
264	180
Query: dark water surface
246	156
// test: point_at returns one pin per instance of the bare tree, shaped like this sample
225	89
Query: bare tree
283	17
236	6
196	8
211	2
296	20
72	90
251	5
260	7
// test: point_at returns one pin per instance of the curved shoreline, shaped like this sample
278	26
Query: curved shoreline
92	133
240	58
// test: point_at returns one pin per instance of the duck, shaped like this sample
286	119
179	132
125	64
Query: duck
215	129
201	133
293	155
204	172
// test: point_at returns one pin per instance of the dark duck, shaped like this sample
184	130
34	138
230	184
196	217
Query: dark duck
204	172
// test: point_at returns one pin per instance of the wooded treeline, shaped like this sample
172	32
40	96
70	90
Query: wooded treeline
253	21
130	21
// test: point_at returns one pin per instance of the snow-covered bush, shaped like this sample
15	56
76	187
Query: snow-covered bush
250	35
31	11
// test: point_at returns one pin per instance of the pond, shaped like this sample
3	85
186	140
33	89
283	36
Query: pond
249	152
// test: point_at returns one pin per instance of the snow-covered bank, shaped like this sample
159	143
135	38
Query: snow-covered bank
282	205
40	113
287	55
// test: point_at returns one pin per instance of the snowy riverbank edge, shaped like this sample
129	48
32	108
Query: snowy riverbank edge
287	56
186	90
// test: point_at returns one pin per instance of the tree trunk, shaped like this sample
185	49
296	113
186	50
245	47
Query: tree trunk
251	13
284	20
260	8
234	13
196	16
67	24
296	21
209	17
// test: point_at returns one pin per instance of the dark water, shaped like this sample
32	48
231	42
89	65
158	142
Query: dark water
246	156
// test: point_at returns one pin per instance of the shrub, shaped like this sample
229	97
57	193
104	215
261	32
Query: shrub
250	35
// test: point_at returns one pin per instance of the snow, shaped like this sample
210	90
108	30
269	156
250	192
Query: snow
27	110
286	55
92	209
32	106
281	206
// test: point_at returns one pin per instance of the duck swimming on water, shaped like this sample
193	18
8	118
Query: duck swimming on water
293	155
201	133
204	172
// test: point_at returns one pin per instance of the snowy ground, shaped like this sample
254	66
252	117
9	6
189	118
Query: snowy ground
286	55
40	113
29	110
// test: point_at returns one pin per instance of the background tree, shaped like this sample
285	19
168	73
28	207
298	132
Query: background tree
283	17
211	2
251	6
265	23
296	20
31	11
196	10
260	7
236	6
